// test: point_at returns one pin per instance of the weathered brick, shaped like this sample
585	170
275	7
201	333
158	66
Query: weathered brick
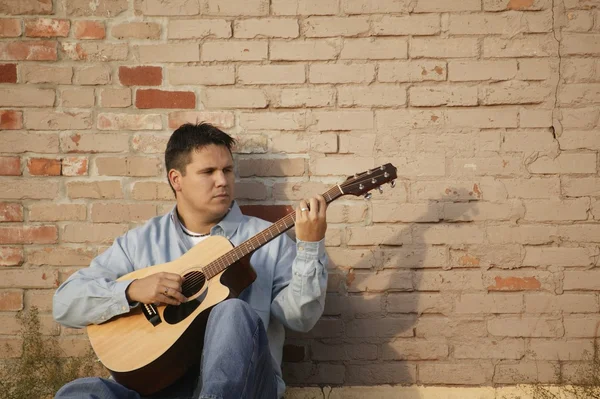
94	143
565	163
537	68
11	212
46	27
107	212
580	44
409	349
140	76
273	120
102	189
271	167
98	74
149	143
579	117
102	233
31	73
100	8
148	191
20	7
174	7
436	326
48	212
444	48
341	73
507	348
304	7
379	235
92	51
580	93
20	141
11	256
266	27
37	50
222	119
406	213
89	30
578	139
524	326
581	280
19	188
107	121
560	350
234	50
558	256
236	7
538	45
271	74
501	5
343	120
198	29
501	23
172	52
428	96
251	190
374	95
136	30
514	92
580	186
8	73
435	6
205	75
33	278
334	26
472	373
78	98
526	372
53	120
411	71
115	97
417	25
379	7
128	166
582	326
61	256
299	50
10	27
418	303
234	98
489	303
482	117
10	166
74	166
567	303
374	49
28	235
535	118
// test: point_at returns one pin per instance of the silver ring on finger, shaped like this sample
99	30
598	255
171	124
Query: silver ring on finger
166	291
303	209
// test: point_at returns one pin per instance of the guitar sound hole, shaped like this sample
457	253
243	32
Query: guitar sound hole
192	284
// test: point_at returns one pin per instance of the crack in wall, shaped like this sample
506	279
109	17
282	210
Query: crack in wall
556	114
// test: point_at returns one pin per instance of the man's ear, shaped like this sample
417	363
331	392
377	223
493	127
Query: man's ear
175	179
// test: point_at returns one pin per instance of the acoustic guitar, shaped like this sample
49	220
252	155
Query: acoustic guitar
150	347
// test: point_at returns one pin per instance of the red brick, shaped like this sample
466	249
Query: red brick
11	212
10	27
11	120
28	235
89	30
44	167
515	284
11	256
10	166
8	73
152	98
140	76
74	166
28	50
11	300
46	27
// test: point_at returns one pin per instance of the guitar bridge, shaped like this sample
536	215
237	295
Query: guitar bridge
151	314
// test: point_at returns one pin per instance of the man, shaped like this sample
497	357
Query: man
244	336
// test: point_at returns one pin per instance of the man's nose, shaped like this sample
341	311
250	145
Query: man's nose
220	179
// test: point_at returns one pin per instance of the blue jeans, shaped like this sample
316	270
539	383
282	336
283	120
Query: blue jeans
236	363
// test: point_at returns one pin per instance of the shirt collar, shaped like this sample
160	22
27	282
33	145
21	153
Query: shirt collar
226	227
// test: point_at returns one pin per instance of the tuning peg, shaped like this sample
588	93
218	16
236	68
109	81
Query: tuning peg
380	189
393	183
368	196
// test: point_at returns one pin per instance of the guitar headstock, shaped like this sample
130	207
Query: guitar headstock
362	183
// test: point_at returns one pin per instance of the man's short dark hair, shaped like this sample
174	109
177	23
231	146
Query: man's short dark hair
193	137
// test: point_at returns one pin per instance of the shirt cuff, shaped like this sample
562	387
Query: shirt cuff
308	256
121	302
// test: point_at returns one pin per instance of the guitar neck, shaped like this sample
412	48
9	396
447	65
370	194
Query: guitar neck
262	238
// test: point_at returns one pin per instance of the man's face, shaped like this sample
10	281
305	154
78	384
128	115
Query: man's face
207	188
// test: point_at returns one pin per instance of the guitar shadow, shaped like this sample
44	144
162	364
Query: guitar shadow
389	297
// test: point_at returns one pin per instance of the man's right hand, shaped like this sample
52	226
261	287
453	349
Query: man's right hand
157	288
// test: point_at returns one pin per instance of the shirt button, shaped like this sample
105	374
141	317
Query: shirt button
301	248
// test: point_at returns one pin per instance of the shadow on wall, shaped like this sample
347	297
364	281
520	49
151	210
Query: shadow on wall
385	310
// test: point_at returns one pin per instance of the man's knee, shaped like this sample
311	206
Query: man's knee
234	310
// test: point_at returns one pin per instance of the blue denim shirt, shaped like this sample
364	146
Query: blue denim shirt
289	289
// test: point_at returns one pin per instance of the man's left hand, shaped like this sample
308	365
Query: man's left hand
311	222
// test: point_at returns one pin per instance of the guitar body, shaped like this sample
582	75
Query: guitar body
146	355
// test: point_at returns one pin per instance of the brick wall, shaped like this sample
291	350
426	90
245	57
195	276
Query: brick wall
478	269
